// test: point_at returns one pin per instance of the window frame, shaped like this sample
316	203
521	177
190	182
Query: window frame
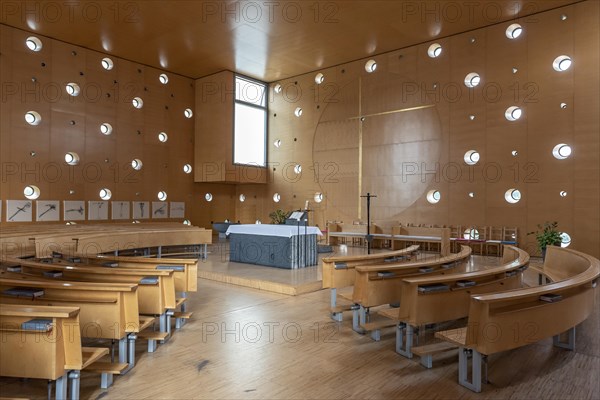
264	108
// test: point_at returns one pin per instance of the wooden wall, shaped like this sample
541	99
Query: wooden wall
400	156
72	124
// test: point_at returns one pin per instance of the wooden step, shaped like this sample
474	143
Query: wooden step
457	336
145	321
434	348
152	335
90	355
107	367
427	351
180	300
375	325
184	315
391	313
340	308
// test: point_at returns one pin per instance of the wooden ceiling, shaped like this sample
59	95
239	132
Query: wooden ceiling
267	40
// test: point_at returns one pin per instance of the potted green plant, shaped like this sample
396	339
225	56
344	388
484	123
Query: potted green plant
547	235
278	217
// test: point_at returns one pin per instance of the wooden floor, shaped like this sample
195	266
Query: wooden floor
243	343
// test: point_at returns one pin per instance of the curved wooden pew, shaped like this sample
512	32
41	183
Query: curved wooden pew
380	284
494	317
421	298
338	271
156	294
49	350
108	311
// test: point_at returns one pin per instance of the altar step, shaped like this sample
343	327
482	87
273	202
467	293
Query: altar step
261	284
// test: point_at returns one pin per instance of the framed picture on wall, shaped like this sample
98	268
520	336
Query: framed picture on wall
120	210
97	210
74	210
19	210
160	209
47	210
141	210
177	209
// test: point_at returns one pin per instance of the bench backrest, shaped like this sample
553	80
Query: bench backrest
381	283
452	298
507	320
338	271
30	353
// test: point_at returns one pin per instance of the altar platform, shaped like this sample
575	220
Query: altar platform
218	267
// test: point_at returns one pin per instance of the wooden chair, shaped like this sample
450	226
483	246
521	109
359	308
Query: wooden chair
510	236
494	240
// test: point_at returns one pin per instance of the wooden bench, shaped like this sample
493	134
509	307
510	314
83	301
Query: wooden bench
49	351
107	311
338	271
421	297
380	284
493	318
403	236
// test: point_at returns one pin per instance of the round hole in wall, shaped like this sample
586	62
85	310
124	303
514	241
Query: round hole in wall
187	222
188	113
514	31
187	168
33	43
277	143
136	164
105	194
163	137
107	63
319	78
162	195
163	78
434	196
72	158
471	194
298	112
276	197
512	196
565	239
73	89
298	169
562	151
106	128
513	113
435	50
277	88
137	102
242	198
563	193
514	153
31	192
370	66
208	197
471	157
562	63
472	79
33	118
318	197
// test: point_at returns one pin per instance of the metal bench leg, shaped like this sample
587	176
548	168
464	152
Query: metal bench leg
151	345
404	340
61	387
73	377
359	316
463	369
184	304
106	380
123	350
336	316
569	344
427	361
131	338
376	335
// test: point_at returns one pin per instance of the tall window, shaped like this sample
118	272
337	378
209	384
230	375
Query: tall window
250	129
